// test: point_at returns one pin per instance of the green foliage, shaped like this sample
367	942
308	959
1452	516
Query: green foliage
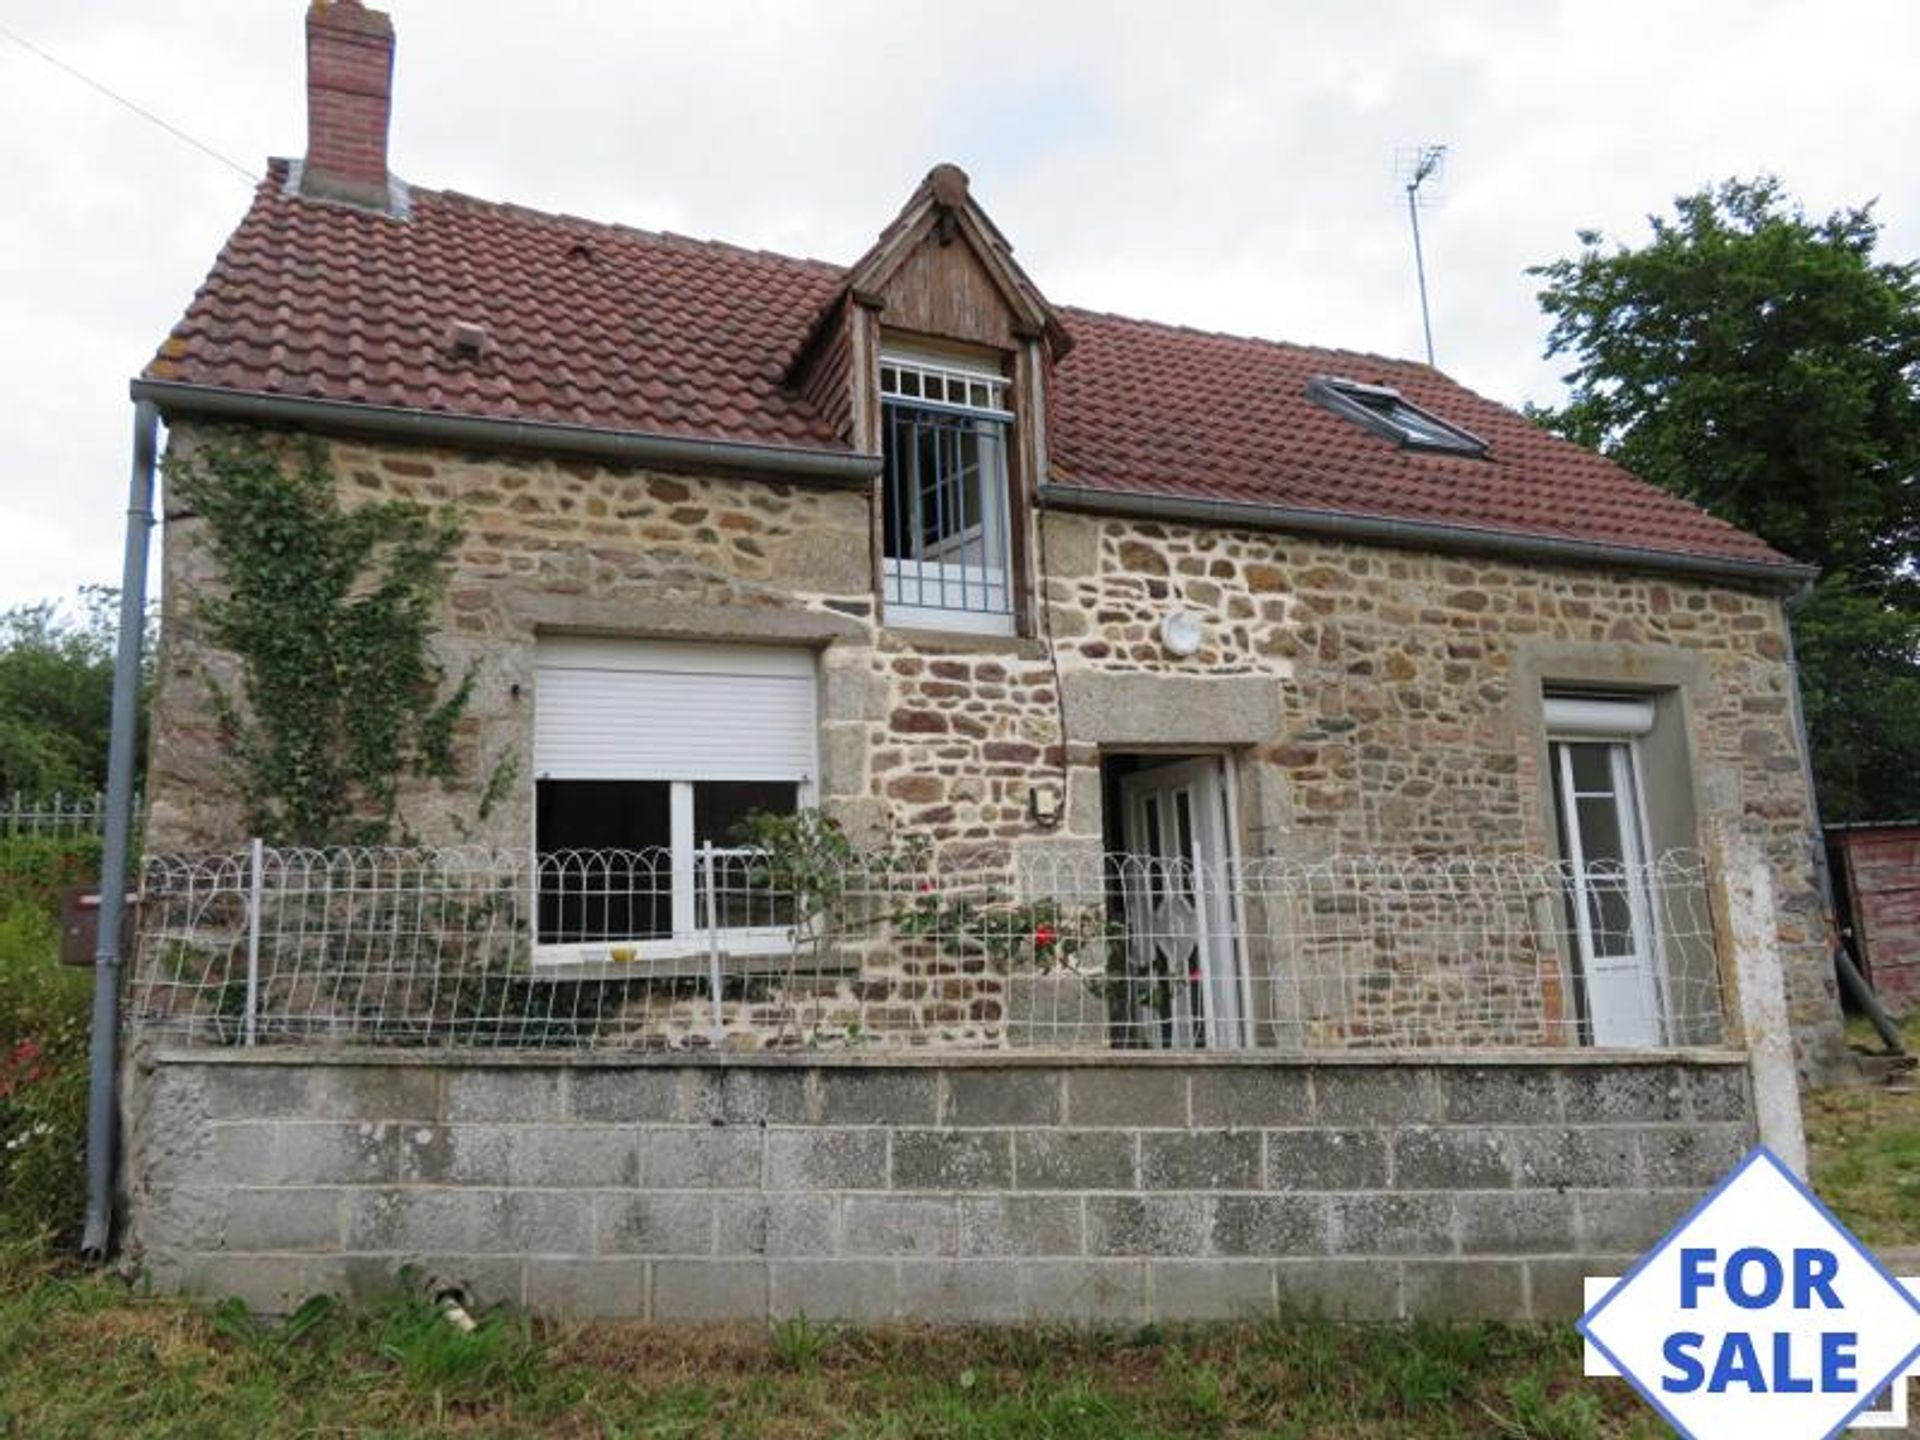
1865	1147
1006	930
809	856
1758	362
38	870
1767	366
43	1083
330	611
1199	1387
1536	1412
56	694
310	1319
1860	665
833	881
799	1343
437	1357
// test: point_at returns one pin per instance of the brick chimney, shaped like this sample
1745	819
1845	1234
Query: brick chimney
349	100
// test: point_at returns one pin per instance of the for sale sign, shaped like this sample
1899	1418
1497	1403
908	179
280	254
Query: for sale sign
1759	1317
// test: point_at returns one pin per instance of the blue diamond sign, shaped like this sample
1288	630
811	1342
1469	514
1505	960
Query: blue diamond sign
1759	1316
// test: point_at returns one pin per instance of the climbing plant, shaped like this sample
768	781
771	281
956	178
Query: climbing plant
835	885
330	612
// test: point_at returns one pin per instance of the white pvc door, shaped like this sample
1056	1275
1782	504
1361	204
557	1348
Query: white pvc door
1180	939
1597	785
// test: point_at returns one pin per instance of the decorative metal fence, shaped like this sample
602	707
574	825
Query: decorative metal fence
728	948
640	949
53	815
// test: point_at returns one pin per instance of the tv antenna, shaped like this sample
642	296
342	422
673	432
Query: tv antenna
1420	166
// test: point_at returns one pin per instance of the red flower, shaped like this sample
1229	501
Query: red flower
22	1066
1045	937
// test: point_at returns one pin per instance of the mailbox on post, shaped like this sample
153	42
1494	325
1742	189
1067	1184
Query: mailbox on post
80	925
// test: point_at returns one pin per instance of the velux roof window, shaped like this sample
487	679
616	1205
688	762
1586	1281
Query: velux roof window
1385	411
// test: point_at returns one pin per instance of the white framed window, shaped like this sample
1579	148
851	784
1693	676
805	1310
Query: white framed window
946	519
648	755
1600	808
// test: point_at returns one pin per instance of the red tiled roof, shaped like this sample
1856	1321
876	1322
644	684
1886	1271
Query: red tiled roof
604	326
586	324
1158	409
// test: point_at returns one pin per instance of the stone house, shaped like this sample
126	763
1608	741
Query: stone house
907	541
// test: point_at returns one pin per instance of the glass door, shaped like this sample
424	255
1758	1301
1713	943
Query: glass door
1180	939
1603	836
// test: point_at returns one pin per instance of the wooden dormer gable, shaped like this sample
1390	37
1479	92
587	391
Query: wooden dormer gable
940	271
940	289
943	269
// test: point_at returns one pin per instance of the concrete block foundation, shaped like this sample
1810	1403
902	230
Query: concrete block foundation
946	1189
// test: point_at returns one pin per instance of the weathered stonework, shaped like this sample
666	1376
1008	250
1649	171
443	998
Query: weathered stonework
548	545
1377	701
1109	1192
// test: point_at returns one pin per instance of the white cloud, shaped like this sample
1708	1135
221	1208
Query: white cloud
1225	165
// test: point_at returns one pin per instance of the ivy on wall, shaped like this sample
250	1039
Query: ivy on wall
330	614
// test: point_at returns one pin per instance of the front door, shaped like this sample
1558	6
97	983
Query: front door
1603	830
1186	988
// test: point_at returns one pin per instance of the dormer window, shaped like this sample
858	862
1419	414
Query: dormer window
944	427
1387	412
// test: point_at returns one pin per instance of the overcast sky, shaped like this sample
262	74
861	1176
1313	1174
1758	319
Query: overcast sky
1228	166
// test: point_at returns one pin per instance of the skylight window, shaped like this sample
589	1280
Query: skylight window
1385	411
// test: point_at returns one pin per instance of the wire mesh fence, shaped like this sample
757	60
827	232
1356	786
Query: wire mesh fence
733	948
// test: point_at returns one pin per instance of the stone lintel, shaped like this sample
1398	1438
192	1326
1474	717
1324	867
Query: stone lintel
587	615
1112	708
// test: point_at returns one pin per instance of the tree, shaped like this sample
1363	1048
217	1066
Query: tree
1767	367
56	694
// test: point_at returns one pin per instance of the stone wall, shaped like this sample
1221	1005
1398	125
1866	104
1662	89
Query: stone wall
1376	701
1102	1192
1409	697
546	545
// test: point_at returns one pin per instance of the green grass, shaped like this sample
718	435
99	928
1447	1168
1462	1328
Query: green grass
85	1357
1865	1149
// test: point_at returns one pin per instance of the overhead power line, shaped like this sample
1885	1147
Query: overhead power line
145	114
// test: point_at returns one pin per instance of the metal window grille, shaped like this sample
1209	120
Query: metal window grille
946	507
429	947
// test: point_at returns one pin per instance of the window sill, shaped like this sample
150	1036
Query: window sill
994	623
919	638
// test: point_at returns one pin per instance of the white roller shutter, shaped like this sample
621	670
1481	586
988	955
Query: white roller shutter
657	710
1595	715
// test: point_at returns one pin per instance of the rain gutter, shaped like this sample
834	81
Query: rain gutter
435	427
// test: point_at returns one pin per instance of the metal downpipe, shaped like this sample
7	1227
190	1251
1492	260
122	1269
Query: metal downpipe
1845	970
103	1084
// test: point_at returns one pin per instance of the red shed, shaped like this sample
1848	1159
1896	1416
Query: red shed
1876	873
